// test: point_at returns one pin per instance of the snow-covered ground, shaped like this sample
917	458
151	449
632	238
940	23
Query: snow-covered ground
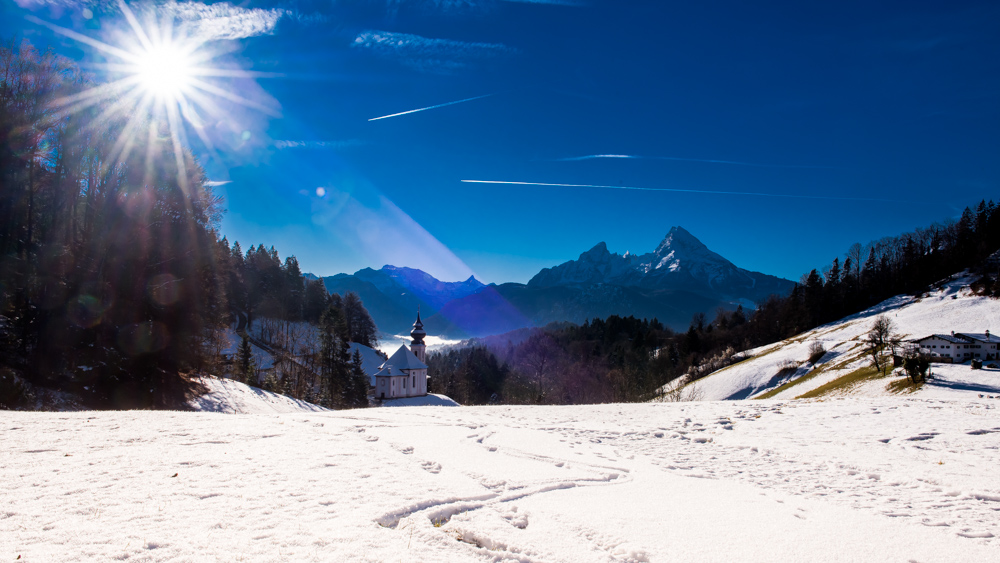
429	400
883	479
228	396
951	308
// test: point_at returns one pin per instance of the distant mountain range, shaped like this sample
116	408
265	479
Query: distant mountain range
678	279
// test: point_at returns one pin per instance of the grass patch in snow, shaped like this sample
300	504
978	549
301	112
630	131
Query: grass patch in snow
904	385
843	383
822	368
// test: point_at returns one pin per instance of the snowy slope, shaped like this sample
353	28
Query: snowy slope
951	308
885	479
228	396
429	400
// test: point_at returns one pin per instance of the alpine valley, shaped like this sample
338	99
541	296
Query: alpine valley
679	279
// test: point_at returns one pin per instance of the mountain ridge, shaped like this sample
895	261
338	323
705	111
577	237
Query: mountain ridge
680	261
678	279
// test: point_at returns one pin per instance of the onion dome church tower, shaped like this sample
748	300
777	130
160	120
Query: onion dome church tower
417	334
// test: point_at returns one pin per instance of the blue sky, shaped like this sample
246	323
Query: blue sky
850	120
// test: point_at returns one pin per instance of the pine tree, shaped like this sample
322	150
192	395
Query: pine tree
334	358
271	383
246	364
360	382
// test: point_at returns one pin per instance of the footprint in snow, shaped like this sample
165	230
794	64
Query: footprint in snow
972	534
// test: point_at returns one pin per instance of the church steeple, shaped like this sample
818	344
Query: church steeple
417	334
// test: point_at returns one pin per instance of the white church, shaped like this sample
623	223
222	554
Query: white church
404	374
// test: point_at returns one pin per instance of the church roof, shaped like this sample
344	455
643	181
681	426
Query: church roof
389	371
418	334
404	359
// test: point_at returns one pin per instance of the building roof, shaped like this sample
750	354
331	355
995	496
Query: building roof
980	337
405	360
418	334
946	337
390	371
962	337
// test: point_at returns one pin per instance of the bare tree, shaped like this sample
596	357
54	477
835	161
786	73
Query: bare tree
880	335
857	254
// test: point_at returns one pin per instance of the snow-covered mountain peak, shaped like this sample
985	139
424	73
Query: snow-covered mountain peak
682	247
599	253
681	261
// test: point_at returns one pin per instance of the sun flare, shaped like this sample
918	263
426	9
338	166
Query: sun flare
163	77
165	70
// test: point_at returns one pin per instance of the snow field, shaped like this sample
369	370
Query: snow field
883	479
952	308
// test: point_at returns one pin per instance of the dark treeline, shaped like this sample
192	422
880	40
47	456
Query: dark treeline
113	280
268	290
618	359
869	274
625	359
107	239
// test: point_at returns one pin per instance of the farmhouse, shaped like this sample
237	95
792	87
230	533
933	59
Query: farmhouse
961	346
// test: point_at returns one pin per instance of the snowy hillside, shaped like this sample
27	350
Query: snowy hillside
885	479
782	371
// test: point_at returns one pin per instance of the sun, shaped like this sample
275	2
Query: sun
166	71
163	76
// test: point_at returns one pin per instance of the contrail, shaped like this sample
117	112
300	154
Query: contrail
677	158
682	190
431	107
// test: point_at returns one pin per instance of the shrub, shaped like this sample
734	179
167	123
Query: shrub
916	367
787	368
816	351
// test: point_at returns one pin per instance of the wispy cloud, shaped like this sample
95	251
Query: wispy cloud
680	159
224	20
214	183
431	107
34	4
286	144
428	54
678	190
